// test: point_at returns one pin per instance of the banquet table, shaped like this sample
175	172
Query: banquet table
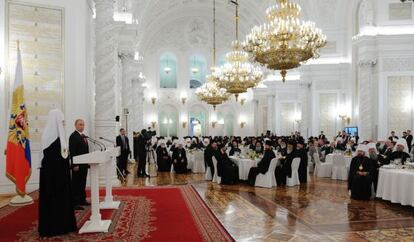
244	166
396	185
348	159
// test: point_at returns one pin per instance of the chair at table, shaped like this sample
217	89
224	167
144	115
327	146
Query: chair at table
321	169
199	166
268	179
294	179
216	177
339	170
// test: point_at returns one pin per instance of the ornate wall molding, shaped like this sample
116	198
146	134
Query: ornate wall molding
397	64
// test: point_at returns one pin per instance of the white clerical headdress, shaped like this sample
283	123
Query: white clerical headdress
372	146
54	129
364	148
402	142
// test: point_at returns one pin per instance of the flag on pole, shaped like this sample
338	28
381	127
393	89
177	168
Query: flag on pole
18	159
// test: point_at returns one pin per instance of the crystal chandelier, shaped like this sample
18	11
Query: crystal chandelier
238	74
210	92
284	42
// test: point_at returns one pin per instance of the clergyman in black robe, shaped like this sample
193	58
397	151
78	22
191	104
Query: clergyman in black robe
284	170
226	169
360	175
303	165
401	152
263	165
163	158
56	212
179	158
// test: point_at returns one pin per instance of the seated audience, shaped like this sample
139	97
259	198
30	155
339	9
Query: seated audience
263	165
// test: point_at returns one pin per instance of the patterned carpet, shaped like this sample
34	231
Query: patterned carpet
169	213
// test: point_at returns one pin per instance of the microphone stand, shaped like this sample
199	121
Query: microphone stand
114	143
95	142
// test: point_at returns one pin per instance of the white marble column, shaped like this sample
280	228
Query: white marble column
106	70
271	117
366	105
106	78
137	110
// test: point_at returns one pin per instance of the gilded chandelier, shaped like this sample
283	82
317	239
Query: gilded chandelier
284	42
210	92
238	74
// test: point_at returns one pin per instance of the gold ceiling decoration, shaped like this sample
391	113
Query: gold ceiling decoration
210	92
238	74
284	42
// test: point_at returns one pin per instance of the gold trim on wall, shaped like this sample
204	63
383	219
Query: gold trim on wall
40	30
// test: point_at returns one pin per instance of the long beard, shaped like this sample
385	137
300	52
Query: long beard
289	151
373	156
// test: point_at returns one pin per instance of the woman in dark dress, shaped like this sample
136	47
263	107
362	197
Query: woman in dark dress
163	158
226	169
56	212
360	175
179	158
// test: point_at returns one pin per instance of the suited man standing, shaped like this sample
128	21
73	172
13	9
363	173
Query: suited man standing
78	145
123	142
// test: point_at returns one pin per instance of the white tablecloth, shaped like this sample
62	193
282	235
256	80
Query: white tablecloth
396	185
329	159
244	166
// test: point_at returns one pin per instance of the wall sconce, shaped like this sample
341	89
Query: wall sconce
153	100
184	124
345	118
242	101
183	100
153	123
242	124
183	97
213	124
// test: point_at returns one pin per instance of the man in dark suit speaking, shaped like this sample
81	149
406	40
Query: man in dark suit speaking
78	145
123	142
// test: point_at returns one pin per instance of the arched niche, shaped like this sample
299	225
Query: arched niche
168	70
225	120
198	119
197	67
168	121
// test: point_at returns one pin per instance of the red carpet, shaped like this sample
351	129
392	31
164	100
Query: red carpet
175	213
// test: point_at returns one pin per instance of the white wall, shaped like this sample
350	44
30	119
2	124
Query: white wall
78	63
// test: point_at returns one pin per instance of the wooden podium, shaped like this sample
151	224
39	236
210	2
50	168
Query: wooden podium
94	159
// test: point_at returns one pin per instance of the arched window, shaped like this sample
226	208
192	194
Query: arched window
198	67
168	120
168	71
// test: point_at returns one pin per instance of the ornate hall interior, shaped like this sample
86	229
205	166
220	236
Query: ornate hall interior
322	74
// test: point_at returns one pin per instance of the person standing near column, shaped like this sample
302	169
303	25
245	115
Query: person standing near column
78	145
123	142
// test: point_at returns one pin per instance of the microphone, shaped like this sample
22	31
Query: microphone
108	140
100	144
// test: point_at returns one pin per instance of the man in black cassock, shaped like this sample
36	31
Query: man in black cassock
122	160
163	158
377	161
179	158
284	170
56	213
303	165
263	165
226	168
401	152
360	175
209	152
78	145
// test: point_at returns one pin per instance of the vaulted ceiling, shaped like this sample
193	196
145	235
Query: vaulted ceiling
188	23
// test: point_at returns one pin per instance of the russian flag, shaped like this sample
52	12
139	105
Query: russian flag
18	158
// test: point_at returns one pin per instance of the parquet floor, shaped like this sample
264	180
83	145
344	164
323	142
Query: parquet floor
317	211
